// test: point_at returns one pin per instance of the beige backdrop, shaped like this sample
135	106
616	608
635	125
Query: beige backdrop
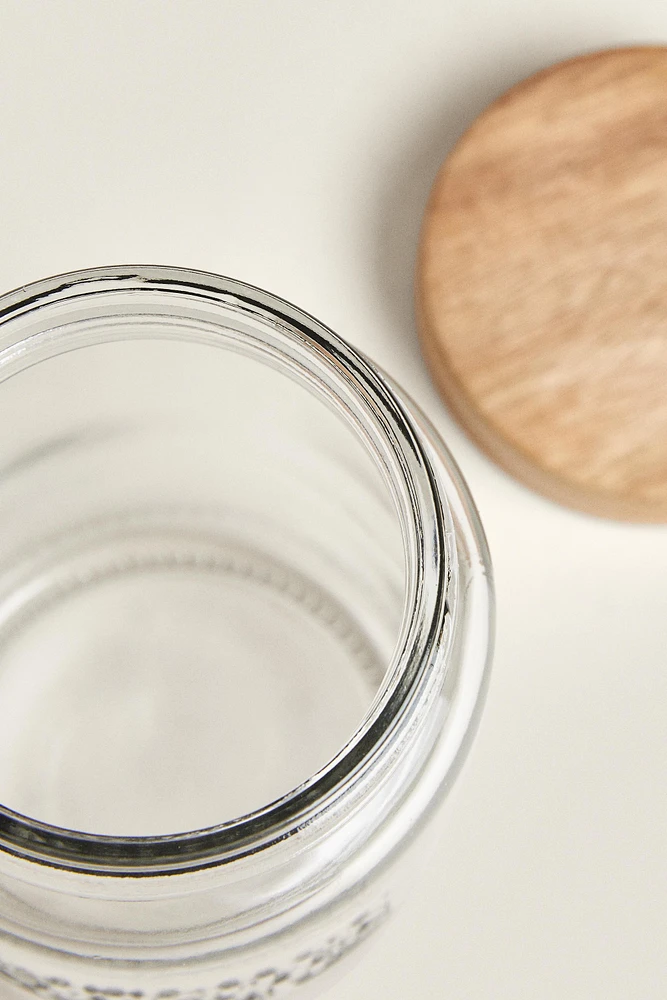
292	144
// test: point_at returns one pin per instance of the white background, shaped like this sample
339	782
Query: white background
292	144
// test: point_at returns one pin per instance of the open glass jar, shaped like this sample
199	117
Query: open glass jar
244	638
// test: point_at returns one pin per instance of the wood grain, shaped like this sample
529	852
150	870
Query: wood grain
542	282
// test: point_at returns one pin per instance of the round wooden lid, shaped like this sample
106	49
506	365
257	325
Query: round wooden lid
542	282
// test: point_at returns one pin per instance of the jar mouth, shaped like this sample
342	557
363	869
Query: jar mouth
32	321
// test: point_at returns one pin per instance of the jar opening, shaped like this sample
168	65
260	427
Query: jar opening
213	593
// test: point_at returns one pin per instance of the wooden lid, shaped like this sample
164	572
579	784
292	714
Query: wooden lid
542	282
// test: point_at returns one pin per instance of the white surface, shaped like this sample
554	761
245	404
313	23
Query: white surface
292	144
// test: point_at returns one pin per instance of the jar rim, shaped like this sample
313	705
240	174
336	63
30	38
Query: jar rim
428	559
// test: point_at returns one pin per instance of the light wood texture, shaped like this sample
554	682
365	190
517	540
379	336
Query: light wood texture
542	282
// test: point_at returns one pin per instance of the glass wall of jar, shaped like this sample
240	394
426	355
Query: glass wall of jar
245	622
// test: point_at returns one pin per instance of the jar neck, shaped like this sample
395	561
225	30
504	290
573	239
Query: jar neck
359	789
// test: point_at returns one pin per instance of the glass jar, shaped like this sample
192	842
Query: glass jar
244	639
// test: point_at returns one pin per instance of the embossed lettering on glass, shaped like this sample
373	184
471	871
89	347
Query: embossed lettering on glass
244	639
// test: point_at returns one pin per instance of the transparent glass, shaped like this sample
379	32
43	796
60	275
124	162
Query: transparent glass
245	621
